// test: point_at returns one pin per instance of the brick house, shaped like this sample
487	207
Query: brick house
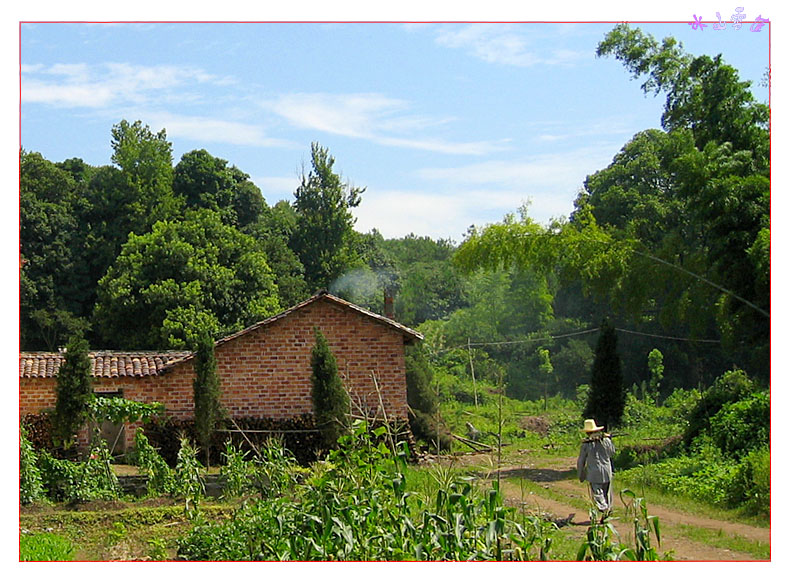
264	370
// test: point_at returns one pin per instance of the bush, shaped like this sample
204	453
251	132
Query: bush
753	482
731	387
742	426
64	480
30	485
160	477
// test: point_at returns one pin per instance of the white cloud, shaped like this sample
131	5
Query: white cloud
370	116
205	129
108	84
277	188
504	44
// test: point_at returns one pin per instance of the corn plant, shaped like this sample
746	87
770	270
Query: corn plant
643	525
600	545
357	506
189	482
235	470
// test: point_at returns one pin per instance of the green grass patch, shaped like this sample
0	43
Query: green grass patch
45	547
720	539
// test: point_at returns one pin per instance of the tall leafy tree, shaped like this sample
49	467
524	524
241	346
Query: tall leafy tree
330	400
606	400
206	393
73	390
49	302
184	277
204	181
324	223
146	161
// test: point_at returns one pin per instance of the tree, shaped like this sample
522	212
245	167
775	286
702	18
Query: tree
546	370
74	390
204	181
324	224
655	364
206	393
146	161
606	400
330	400
183	278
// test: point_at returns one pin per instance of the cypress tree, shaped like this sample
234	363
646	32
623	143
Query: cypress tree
330	400
606	400
74	390
206	392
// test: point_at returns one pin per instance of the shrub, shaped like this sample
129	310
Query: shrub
742	426
64	480
45	547
330	400
74	389
160	476
730	387
753	482
30	485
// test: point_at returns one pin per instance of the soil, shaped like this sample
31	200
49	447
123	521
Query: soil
559	475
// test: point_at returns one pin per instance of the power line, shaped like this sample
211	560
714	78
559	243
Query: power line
573	334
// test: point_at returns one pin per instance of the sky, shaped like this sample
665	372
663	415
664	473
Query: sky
446	125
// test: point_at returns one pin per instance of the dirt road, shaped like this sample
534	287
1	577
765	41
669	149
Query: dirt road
559	476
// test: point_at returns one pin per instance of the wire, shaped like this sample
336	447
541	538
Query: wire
573	334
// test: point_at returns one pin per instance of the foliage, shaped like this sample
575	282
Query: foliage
274	469
188	478
324	223
235	470
74	390
606	401
742	426
330	399
730	387
206	393
184	278
146	162
118	410
160	476
644	525
204	181
30	484
357	507
753	482
93	479
45	547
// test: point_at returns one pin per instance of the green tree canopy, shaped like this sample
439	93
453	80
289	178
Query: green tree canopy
182	278
324	223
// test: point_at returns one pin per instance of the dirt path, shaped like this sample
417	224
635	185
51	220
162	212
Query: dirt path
559	475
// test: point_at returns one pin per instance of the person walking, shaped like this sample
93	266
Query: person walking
595	466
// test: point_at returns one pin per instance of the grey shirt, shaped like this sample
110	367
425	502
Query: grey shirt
595	461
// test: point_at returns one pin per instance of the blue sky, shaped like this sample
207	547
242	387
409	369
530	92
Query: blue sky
447	125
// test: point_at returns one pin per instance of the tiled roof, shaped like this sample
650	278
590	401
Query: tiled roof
103	363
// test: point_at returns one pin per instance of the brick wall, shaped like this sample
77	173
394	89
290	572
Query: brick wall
265	373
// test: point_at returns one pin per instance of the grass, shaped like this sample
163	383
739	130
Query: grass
45	547
139	530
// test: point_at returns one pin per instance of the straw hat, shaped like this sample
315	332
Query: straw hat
591	426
